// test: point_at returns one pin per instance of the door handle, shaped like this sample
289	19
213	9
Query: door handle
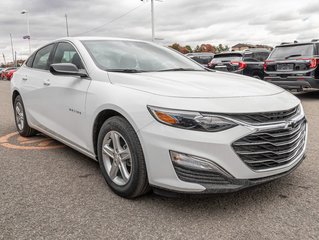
24	78
46	82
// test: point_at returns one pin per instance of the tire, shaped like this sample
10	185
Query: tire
127	178
21	119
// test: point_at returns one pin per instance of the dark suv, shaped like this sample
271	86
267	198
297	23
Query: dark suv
294	65
249	62
202	57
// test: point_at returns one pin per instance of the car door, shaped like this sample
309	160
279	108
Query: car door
34	77
66	98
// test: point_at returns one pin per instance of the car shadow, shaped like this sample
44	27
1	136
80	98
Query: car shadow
257	197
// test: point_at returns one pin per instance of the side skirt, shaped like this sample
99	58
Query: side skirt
66	142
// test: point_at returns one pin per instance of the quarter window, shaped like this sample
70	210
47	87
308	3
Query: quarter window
66	53
30	60
41	59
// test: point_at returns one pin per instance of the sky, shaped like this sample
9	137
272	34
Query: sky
184	21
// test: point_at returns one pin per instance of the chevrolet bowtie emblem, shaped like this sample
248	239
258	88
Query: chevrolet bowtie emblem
290	125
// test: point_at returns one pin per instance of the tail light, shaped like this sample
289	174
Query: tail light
265	64
241	65
313	62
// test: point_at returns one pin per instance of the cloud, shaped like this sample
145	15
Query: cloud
185	21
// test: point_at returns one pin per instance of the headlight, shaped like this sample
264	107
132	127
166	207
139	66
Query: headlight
191	120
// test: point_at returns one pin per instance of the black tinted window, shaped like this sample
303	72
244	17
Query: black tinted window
202	59
255	56
42	57
66	53
228	57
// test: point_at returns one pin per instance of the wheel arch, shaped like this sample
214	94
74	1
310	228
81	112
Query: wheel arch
15	93
102	116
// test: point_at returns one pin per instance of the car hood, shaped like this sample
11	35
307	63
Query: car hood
195	84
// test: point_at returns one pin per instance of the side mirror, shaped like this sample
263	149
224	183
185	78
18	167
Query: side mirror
67	69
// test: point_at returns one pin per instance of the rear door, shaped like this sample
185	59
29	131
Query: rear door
66	97
34	77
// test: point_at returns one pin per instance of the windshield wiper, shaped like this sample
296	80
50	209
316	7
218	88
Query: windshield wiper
179	69
293	55
125	70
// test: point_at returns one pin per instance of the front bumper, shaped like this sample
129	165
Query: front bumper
157	140
293	82
233	186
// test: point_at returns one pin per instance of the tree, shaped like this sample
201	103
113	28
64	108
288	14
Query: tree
222	48
189	48
175	46
178	47
197	49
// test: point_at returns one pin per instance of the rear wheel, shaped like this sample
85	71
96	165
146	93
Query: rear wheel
121	158
21	119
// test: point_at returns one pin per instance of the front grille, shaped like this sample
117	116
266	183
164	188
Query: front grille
266	117
272	148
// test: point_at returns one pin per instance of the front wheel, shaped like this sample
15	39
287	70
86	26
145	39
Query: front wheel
121	158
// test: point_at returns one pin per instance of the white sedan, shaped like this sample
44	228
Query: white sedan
156	119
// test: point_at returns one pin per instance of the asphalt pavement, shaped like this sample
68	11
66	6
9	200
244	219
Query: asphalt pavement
49	191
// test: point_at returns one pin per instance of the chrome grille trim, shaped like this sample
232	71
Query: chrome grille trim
273	148
265	117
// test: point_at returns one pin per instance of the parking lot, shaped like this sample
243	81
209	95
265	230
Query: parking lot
49	191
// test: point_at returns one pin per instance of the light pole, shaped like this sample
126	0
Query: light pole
153	25
66	24
13	60
153	18
28	25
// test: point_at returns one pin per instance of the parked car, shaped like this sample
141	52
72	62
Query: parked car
155	119
249	62
7	73
294	65
203	57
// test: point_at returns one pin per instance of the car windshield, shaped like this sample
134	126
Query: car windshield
133	56
292	51
227	57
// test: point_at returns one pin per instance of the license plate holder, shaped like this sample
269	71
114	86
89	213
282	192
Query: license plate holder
285	67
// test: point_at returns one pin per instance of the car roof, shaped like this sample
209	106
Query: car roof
296	44
231	52
200	54
86	38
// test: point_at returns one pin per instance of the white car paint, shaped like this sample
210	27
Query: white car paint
48	110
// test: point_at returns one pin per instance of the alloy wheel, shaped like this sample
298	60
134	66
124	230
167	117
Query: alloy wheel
117	158
19	116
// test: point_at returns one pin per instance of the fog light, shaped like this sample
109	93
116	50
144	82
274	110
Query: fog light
197	163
